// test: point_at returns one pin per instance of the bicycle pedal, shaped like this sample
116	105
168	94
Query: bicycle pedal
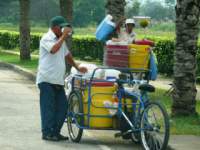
118	135
127	132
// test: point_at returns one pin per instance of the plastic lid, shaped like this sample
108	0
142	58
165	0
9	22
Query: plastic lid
102	84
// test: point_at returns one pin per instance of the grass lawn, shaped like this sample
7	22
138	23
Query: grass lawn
152	31
11	27
179	125
14	59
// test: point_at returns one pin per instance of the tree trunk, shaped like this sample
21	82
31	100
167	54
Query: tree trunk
187	29
66	10
24	30
116	8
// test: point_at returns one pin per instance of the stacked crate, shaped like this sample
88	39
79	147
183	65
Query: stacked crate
116	55
127	56
139	56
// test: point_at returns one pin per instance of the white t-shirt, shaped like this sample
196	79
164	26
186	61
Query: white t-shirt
51	67
126	37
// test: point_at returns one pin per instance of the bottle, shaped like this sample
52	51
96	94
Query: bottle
115	101
108	104
70	33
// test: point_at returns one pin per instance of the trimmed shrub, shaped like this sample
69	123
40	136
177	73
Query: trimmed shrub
164	50
87	47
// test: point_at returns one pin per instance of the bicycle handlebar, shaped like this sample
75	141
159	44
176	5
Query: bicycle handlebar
125	70
138	82
119	81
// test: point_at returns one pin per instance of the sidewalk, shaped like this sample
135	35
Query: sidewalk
164	83
184	142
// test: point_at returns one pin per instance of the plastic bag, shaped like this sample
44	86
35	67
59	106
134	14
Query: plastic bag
153	67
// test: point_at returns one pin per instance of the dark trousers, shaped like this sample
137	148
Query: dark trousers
53	108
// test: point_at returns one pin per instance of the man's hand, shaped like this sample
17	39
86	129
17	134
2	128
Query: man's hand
65	34
71	61
82	69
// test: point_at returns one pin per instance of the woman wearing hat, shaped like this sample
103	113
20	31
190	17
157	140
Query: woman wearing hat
128	35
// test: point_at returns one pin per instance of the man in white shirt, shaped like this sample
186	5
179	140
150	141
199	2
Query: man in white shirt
50	78
128	36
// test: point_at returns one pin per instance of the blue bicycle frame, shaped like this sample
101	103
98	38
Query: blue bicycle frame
141	99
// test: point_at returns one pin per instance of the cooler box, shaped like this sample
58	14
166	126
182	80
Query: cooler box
100	92
105	28
139	56
116	55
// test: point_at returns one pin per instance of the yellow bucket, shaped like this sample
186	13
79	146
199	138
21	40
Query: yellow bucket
138	56
99	95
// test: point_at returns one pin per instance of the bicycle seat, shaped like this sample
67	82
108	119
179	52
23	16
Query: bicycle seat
147	87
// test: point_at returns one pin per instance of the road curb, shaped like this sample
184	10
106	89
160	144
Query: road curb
30	75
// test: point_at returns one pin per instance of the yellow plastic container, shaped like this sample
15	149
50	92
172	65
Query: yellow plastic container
128	103
138	56
99	95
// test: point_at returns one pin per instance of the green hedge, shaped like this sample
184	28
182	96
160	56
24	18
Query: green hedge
164	50
83	46
10	40
87	47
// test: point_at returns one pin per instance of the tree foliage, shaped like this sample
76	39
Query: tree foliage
157	11
88	12
85	12
170	2
42	10
133	8
9	11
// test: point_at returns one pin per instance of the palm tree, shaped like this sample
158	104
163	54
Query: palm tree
24	30
116	8
66	10
187	29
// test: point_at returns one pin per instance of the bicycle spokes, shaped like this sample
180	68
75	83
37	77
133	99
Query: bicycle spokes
154	127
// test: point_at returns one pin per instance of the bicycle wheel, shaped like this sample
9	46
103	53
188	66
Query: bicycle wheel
154	127
75	107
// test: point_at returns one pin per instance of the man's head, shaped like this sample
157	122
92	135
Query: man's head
57	23
130	24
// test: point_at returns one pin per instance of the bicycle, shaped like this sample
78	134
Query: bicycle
147	121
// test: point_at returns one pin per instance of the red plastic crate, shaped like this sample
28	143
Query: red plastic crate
116	63
117	47
116	56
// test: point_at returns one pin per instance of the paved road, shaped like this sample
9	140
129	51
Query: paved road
20	123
